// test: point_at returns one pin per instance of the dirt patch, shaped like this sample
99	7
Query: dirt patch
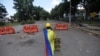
19	35
9	43
27	43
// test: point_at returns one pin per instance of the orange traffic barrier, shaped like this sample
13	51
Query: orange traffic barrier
61	26
25	29
10	30
33	28
1	31
30	29
7	30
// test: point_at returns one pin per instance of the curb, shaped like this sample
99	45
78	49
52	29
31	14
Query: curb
97	34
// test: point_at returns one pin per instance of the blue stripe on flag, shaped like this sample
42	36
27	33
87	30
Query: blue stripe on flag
47	42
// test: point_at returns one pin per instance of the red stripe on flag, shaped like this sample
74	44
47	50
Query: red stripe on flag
46	52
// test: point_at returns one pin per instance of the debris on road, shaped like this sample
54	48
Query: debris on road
1	39
9	43
27	43
19	35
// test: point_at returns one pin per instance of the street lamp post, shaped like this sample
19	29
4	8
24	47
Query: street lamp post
70	14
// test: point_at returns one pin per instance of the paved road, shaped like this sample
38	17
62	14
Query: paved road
73	43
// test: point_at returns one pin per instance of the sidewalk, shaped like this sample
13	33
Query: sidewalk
89	29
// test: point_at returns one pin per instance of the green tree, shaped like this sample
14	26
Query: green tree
3	11
24	9
44	14
64	7
37	10
59	10
40	13
54	13
74	4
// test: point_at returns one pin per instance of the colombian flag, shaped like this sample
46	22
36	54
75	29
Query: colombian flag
47	44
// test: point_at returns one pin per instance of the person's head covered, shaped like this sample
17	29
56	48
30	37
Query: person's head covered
48	25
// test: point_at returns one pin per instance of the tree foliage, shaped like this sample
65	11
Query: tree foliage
24	9
64	7
41	13
27	11
91	5
3	11
59	10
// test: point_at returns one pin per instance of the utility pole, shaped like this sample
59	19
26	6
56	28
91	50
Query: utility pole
70	14
84	4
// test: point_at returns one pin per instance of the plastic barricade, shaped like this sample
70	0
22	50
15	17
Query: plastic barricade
61	26
30	29
7	30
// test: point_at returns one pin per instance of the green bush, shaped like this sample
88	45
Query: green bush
28	22
2	23
22	22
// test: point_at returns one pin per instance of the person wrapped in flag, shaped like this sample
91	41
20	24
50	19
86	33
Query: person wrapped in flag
50	36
